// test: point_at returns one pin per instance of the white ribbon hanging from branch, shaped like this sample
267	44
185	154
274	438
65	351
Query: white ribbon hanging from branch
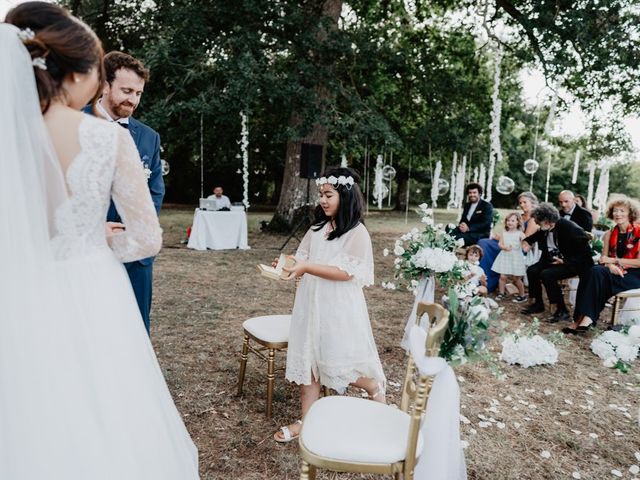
576	166
495	151
244	146
592	176
452	185
435	190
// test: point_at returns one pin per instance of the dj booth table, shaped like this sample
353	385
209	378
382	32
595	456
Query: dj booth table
219	230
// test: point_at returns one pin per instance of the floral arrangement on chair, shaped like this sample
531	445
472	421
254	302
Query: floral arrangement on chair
468	330
426	253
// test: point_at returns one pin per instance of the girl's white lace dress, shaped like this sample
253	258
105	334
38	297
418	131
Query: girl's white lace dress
330	336
82	396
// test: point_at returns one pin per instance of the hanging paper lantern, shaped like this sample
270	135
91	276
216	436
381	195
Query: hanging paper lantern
443	187
165	167
505	185
388	173
531	166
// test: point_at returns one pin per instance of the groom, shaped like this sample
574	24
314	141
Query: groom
126	77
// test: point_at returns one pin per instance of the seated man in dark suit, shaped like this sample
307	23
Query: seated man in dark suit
570	210
565	254
477	215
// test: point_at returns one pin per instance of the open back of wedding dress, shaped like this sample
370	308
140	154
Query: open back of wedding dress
81	394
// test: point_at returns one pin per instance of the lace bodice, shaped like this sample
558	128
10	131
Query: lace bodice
107	167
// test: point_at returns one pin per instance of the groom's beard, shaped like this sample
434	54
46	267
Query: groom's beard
123	110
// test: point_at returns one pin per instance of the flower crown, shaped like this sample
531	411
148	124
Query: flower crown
26	35
341	180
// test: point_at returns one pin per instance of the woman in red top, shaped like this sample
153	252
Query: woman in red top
619	268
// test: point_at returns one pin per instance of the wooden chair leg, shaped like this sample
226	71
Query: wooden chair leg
397	476
270	379
614	310
243	363
304	471
326	391
312	472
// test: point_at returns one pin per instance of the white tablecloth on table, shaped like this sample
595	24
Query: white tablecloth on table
218	230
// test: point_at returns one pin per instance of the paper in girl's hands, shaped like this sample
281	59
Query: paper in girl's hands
277	272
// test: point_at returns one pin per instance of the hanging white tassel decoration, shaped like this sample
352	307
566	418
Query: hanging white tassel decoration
592	176
244	145
460	179
602	190
475	174
452	185
435	185
495	151
576	166
343	161
482	179
379	188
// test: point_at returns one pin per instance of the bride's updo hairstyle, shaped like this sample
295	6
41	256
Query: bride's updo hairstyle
351	208
64	43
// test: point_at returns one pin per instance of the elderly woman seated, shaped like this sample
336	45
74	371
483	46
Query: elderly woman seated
619	268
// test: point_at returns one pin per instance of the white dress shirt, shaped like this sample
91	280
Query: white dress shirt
103	113
472	209
222	202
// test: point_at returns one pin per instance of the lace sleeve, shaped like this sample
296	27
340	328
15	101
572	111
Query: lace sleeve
305	245
142	237
356	257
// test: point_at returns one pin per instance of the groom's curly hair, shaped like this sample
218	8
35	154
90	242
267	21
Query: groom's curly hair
114	61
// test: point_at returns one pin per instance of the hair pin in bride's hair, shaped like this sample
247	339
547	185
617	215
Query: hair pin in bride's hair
26	34
40	62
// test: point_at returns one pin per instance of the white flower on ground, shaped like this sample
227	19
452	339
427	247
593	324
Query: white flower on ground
610	362
602	349
593	435
389	285
618	434
545	454
576	475
385	252
528	351
616	473
627	353
634	333
634	469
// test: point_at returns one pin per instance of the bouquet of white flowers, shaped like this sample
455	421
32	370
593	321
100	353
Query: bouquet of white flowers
528	348
430	252
618	349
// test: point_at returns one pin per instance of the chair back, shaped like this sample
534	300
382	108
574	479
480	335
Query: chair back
416	388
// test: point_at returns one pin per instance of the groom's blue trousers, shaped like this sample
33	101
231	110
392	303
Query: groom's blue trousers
141	276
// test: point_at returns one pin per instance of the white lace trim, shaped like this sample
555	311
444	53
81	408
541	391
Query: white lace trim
336	377
361	271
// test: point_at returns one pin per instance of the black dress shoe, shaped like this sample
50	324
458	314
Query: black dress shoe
559	315
535	308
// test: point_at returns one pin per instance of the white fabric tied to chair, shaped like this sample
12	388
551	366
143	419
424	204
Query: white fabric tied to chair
442	457
425	292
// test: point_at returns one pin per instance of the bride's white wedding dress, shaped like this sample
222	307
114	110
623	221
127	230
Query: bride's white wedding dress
81	394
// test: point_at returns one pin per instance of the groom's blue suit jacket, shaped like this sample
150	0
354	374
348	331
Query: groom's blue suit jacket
147	141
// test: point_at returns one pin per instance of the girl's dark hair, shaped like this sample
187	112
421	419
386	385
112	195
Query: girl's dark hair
351	206
67	45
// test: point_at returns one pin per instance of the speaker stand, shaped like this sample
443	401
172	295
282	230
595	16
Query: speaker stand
308	218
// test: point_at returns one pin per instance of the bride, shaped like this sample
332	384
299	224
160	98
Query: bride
81	393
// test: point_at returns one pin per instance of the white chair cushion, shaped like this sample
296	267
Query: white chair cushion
356	430
270	328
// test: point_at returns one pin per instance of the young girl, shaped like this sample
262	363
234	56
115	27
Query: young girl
510	260
476	280
330	340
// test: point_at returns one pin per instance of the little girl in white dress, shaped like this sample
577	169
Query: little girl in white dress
330	341
510	260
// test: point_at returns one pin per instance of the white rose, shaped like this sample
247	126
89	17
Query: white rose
460	242
452	226
634	333
398	250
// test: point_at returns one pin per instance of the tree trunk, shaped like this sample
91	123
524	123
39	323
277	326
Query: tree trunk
401	192
293	194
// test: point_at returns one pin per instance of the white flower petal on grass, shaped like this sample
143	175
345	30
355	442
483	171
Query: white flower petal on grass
492	409
577	432
576	475
616	473
637	454
385	252
564	414
545	454
516	425
500	425
634	469
589	392
484	424
460	379
465	420
548	392
593	435
618	434
508	398
464	444
473	431
568	402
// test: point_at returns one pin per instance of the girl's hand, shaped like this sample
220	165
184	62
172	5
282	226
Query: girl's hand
297	270
274	264
508	248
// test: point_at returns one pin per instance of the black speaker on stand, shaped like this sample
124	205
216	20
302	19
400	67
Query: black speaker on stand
310	168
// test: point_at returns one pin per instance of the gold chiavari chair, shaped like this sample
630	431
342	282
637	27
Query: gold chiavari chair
271	333
348	434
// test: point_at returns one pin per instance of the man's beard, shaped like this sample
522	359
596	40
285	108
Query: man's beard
121	110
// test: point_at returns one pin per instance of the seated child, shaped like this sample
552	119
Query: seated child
476	280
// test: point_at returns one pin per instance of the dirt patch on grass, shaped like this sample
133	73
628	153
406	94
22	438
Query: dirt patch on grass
202	298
